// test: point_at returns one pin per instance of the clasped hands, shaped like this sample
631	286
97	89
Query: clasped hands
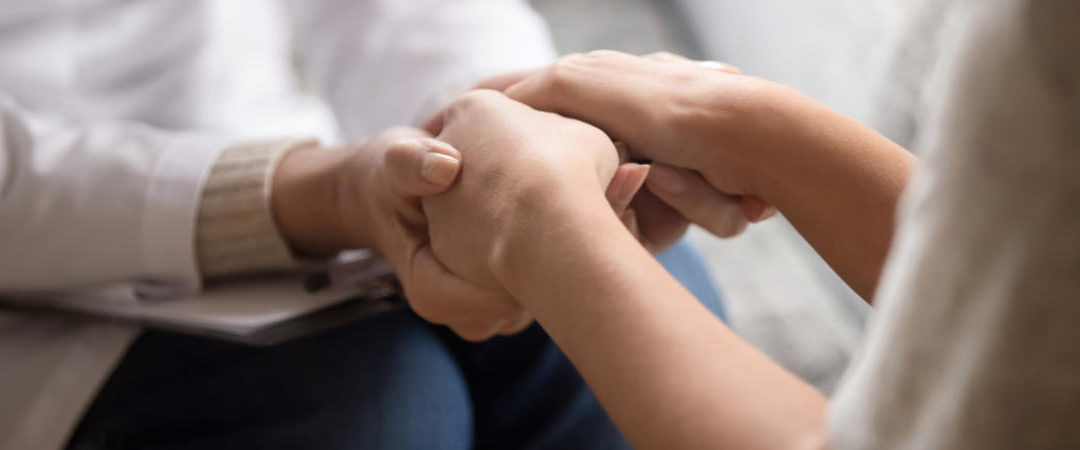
520	156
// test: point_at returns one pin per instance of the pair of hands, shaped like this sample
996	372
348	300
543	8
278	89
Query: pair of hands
375	187
516	161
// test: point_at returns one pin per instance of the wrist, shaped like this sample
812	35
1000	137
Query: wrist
548	229
765	139
304	187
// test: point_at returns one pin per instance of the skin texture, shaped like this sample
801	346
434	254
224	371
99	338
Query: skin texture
530	215
367	196
510	166
525	220
653	220
835	179
530	218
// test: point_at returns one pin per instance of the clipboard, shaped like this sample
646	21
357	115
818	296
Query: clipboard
255	310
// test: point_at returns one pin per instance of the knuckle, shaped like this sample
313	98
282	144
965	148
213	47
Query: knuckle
497	306
478	97
604	54
474	332
470	102
591	133
400	132
429	307
402	150
560	74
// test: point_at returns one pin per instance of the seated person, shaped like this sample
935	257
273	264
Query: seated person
975	342
145	155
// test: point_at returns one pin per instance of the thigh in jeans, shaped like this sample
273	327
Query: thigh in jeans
384	383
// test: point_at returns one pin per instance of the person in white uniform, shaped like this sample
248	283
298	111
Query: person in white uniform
157	144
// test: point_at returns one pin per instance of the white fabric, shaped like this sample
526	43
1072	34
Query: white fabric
827	49
975	344
113	111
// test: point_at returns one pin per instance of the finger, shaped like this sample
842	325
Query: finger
712	65
626	182
623	150
502	81
443	298
568	87
477	330
719	67
658	223
479	103
667	57
770	211
756	209
689	193
517	325
629	220
421	166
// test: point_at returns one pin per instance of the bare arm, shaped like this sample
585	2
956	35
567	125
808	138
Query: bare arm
529	215
671	375
838	182
835	179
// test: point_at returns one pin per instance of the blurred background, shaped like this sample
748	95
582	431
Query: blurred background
780	295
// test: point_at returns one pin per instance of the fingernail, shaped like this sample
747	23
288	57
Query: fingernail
439	169
630	188
667	180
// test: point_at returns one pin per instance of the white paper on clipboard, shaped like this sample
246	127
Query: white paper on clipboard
258	311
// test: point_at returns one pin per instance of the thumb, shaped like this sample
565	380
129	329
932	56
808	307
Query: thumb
417	167
625	184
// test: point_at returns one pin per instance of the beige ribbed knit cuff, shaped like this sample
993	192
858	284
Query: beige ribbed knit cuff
236	232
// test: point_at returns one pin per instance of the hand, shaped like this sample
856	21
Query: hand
367	196
498	82
523	169
655	224
712	135
652	222
663	102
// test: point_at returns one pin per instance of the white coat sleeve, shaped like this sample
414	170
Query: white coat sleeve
378	62
98	203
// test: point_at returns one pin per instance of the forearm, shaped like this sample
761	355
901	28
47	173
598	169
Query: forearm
835	179
838	182
668	372
89	203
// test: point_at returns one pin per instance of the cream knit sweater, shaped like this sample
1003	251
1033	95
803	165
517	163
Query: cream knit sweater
236	232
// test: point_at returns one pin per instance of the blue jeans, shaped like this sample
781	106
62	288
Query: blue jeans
388	382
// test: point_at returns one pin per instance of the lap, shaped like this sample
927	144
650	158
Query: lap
386	382
390	381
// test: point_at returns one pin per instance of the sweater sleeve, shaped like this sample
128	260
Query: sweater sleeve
975	343
235	231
